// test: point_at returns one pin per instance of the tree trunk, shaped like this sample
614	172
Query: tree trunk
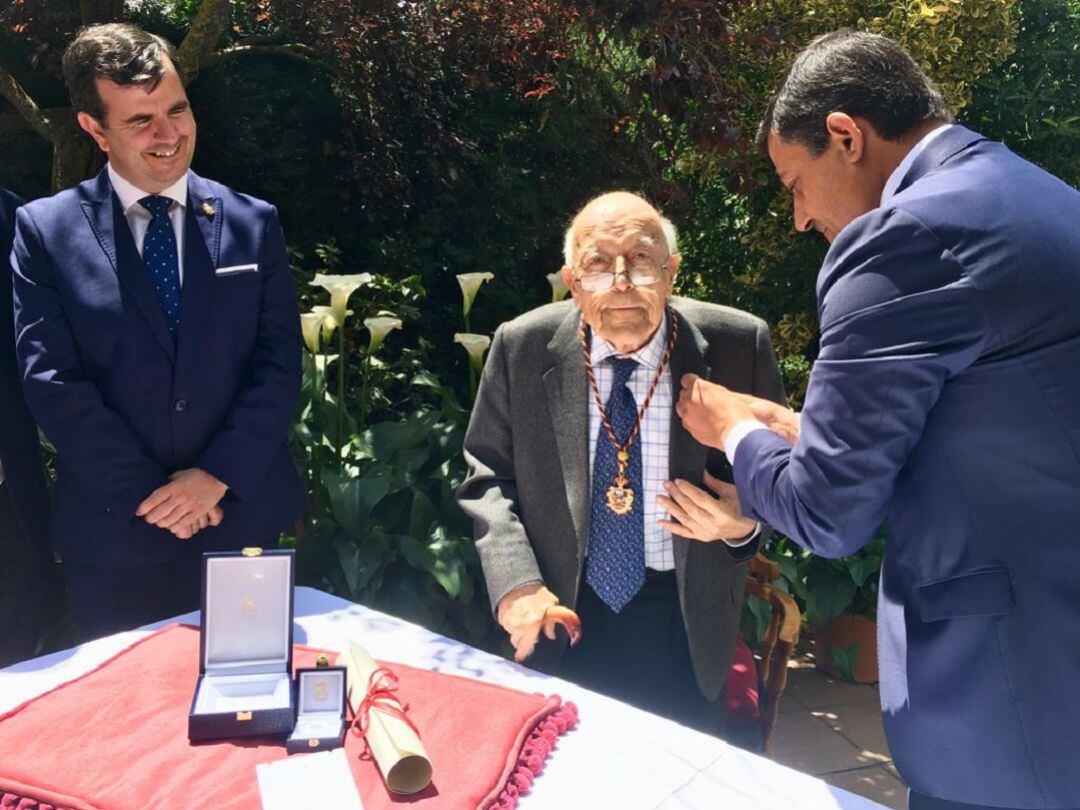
75	158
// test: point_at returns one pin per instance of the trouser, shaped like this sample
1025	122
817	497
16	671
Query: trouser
641	655
106	599
22	587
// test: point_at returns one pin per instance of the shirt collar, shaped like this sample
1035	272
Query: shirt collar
648	355
130	195
897	177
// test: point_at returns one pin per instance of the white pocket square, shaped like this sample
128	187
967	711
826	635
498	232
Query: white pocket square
233	270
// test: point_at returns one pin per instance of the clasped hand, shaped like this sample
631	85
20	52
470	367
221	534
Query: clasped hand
186	505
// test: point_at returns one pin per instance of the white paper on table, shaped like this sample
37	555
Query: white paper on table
308	782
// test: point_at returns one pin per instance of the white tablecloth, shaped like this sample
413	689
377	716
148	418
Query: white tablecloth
617	757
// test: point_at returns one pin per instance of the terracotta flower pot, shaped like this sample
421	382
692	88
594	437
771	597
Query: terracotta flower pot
843	631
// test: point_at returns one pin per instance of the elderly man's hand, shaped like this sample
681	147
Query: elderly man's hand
700	515
189	495
780	420
708	411
521	613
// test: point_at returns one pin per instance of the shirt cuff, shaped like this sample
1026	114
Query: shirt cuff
740	543
737	434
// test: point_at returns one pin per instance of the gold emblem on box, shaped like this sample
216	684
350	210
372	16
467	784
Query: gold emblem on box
322	690
243	717
249	606
313	743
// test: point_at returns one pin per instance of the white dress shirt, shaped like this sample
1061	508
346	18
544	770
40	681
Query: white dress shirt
739	432
138	218
653	438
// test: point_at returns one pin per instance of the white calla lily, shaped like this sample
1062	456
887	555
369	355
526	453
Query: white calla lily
311	324
329	320
475	345
340	288
470	285
380	326
558	286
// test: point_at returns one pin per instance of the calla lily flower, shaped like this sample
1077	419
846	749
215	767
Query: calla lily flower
558	286
311	324
340	288
475	345
470	285
380	326
329	320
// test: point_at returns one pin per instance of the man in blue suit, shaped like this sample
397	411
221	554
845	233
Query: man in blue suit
945	399
24	498
159	343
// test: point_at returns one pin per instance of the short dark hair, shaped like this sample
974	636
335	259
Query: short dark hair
855	73
122	53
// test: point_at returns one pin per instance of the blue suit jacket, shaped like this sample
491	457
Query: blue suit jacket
20	451
124	405
946	399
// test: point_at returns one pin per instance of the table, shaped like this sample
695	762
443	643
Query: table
618	756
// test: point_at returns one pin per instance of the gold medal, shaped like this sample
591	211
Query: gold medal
620	497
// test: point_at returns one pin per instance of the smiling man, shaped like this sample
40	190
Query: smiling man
945	400
584	488
159	345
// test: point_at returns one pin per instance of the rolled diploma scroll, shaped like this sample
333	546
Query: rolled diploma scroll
397	750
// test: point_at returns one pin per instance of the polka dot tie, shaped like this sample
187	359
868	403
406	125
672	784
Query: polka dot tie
615	566
160	258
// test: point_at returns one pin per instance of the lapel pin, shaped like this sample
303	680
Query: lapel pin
208	209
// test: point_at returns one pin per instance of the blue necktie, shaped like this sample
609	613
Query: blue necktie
160	258
615	565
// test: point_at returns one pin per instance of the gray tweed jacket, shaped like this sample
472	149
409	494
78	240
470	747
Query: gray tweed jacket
528	452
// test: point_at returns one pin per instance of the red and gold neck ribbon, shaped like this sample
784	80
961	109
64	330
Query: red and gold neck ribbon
382	685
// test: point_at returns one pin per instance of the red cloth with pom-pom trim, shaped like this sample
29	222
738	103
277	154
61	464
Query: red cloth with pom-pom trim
116	739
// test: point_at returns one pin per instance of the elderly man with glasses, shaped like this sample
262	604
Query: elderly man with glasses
587	492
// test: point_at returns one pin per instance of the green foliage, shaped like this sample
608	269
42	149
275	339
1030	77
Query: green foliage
844	659
825	588
1032	100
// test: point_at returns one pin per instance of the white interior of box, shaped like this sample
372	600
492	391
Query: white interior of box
317	726
321	691
248	612
225	694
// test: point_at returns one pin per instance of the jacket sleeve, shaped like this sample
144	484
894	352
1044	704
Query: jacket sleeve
258	421
94	443
489	493
898	319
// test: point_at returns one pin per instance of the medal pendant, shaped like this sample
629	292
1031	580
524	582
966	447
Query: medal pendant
620	498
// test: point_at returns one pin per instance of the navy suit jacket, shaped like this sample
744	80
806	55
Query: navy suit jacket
20	451
946	399
123	404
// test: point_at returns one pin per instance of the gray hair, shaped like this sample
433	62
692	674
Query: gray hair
122	53
666	225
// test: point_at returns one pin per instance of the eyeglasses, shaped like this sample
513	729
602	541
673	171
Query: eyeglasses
600	272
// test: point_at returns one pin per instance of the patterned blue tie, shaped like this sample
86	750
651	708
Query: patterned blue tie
615	566
160	258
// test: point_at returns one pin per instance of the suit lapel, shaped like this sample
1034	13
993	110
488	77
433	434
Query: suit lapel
568	404
686	458
202	243
107	221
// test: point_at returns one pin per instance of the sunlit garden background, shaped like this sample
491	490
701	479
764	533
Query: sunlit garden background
425	158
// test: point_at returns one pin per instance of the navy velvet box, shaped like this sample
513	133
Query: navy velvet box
245	646
320	710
